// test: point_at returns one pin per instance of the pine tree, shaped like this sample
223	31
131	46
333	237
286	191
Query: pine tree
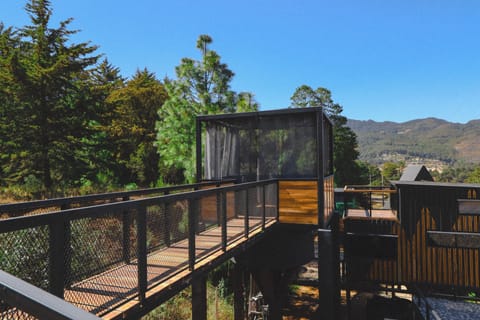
47	101
345	140
131	129
202	87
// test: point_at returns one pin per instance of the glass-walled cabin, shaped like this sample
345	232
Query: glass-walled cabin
294	146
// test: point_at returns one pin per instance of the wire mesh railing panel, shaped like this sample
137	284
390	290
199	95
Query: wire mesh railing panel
8	312
208	233
100	270
25	254
235	223
177	213
157	229
271	200
208	215
241	203
96	245
255	208
171	237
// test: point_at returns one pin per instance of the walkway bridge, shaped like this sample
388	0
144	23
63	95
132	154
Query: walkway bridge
116	258
120	255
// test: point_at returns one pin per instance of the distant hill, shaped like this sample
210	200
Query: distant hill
428	140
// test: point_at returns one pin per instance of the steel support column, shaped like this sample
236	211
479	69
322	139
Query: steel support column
329	271
199	298
238	292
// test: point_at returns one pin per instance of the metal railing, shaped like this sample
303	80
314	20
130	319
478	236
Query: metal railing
369	198
21	300
132	244
11	210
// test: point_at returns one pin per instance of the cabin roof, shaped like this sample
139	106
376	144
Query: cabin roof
416	172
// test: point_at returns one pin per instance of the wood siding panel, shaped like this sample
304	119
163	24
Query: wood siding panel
298	202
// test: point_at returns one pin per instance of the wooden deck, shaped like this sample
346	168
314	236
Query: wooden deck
113	293
375	214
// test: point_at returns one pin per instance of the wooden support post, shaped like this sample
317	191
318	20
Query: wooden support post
199	298
238	292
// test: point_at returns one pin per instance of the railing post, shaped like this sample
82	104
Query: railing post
57	245
191	234
247	213
142	252
277	184
263	207
126	219
219	208
223	196
166	219
67	246
371	204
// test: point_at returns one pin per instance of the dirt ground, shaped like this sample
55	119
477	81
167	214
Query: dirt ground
303	300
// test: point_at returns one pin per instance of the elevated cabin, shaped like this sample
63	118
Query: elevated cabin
294	146
433	244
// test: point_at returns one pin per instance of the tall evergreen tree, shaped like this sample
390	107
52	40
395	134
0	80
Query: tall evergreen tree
105	79
131	129
10	107
345	140
44	76
202	87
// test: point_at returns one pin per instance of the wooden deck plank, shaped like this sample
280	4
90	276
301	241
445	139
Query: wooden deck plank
111	293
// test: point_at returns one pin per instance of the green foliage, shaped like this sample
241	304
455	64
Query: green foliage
131	128
44	98
219	305
459	172
393	171
246	102
345	141
474	176
202	87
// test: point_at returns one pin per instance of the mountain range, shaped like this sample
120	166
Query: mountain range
429	140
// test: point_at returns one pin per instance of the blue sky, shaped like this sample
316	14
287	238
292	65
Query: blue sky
382	60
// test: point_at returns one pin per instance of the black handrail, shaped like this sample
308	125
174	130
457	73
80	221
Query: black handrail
61	237
65	203
20	298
